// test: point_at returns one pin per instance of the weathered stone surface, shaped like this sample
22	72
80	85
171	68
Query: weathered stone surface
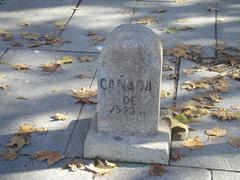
127	126
224	175
129	81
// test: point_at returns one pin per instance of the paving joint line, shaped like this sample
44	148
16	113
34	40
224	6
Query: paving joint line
3	54
216	30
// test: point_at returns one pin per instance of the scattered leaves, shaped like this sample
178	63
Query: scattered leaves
18	66
235	142
191	71
157	170
189	86
97	39
193	143
59	117
6	35
84	95
52	67
176	123
30	36
74	165
147	20
50	156
215	132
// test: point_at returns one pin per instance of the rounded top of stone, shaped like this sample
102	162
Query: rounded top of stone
134	33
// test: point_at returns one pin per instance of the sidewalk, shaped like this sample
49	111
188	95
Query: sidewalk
74	31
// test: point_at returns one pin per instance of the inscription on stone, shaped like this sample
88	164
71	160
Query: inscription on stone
129	79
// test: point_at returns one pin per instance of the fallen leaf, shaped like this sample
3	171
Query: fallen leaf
157	170
16	142
181	2
189	86
50	156
6	35
235	141
168	68
158	10
20	67
96	39
225	114
216	132
191	71
52	67
74	165
61	25
98	171
147	20
175	156
59	116
86	58
9	155
172	76
30	36
30	128
183	20
101	167
164	94
15	44
65	60
4	86
193	143
84	95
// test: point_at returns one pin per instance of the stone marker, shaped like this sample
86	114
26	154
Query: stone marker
128	126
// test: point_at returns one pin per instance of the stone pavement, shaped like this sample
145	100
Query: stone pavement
35	96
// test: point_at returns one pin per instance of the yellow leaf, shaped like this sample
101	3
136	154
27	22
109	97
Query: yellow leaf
20	67
235	141
157	170
84	95
59	116
30	128
183	20
193	143
164	94
50	156
65	60
9	155
74	165
52	67
216	132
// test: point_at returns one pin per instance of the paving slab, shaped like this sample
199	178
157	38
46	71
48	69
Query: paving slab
25	168
97	16
41	16
216	153
46	95
224	175
228	24
196	14
2	50
141	172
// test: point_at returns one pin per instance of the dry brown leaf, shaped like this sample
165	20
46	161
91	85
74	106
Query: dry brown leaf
157	170
211	96
216	132
59	117
230	58
235	141
189	86
50	156
191	71
16	142
52	67
65	60
9	155
74	165
19	66
97	39
4	86
172	76
30	36
6	35
218	83
193	143
30	128
164	94
225	114
147	20
86	58
84	95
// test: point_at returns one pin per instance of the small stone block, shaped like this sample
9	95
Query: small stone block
153	148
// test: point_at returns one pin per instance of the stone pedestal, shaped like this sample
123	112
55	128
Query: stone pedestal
127	126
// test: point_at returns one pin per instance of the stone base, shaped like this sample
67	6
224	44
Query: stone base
128	148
